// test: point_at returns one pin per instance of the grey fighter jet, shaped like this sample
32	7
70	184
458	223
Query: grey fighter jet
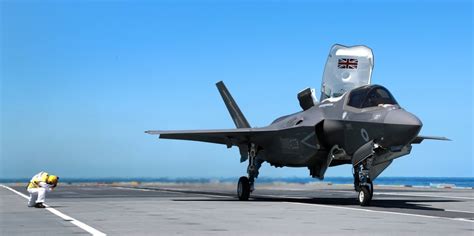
356	123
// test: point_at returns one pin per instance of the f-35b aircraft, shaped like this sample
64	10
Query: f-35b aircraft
355	123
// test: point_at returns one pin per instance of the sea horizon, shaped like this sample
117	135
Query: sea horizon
403	181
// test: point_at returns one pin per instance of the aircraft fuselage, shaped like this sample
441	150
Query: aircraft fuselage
334	128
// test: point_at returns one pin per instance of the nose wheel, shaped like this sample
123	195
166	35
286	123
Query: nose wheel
363	184
365	195
243	188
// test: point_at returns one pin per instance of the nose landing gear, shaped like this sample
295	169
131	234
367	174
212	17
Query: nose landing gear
362	183
365	195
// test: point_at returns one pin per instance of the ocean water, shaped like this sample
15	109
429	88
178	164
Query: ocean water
406	181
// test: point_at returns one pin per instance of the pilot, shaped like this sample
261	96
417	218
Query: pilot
38	186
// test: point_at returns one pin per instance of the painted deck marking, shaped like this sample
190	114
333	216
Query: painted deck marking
65	217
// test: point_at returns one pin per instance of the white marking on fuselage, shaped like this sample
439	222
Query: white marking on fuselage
65	217
305	140
326	105
334	99
364	134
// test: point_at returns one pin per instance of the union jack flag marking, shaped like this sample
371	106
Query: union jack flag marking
346	63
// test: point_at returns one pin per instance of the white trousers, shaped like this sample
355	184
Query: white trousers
37	195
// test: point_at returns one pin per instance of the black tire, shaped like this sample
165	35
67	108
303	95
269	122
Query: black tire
364	196
243	188
371	191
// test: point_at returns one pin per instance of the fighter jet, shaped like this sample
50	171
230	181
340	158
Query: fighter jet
355	123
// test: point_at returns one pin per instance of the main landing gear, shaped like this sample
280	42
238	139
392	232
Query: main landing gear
246	184
243	188
362	183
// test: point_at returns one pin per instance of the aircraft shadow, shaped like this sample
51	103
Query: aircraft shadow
380	203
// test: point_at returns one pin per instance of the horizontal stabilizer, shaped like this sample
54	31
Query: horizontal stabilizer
420	139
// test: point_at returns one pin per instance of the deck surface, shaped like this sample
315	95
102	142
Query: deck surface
275	209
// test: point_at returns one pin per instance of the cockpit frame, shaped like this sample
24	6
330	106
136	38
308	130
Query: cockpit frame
369	97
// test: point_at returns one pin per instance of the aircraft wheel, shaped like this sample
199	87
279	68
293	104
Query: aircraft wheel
364	196
243	188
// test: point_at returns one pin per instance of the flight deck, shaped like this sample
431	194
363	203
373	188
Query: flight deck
213	209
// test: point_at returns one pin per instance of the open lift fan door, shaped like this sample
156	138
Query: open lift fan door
346	68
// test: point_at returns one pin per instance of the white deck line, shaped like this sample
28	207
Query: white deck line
327	206
470	212
424	195
172	190
65	217
379	211
384	212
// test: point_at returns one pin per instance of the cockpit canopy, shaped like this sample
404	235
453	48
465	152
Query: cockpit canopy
370	96
346	68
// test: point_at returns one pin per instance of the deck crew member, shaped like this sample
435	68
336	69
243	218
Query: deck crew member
38	186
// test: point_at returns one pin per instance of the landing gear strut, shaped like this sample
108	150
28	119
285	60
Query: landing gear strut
246	184
362	183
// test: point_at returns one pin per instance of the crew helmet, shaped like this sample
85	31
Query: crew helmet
53	179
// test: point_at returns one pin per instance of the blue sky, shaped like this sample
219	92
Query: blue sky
82	80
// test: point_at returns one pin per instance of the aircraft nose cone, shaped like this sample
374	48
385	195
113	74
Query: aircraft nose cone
402	117
401	127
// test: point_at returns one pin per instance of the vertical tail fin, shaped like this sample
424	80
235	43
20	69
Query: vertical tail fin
234	110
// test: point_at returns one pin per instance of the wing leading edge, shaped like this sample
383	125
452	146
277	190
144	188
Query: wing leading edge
229	137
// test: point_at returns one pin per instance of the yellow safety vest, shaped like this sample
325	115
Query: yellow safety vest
40	177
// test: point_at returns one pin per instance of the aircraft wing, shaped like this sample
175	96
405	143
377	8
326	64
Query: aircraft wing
420	139
229	137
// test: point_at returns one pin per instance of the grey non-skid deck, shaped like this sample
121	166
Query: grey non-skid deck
18	219
164	209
